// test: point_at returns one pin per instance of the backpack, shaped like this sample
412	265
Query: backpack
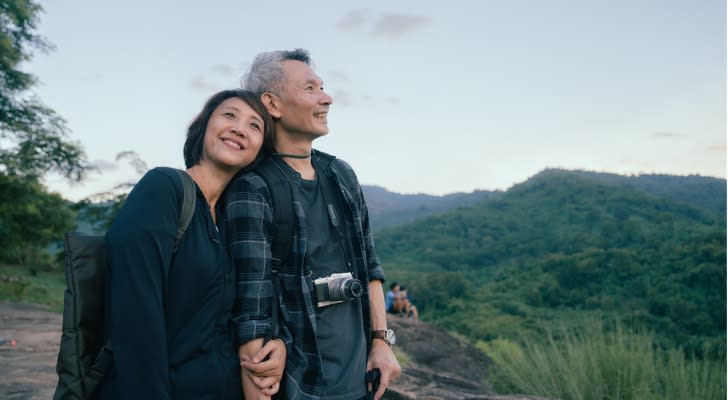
84	359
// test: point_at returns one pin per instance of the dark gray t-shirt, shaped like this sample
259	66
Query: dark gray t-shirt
339	327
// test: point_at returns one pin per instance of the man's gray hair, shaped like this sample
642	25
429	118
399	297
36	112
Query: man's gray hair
266	72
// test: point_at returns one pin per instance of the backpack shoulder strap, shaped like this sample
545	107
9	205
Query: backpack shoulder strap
188	206
283	220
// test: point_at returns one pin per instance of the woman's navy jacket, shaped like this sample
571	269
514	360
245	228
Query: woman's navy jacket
168	313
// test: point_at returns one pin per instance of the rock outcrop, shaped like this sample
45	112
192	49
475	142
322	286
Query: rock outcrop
438	365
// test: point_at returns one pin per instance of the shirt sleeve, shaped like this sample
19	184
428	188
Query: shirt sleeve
139	247
373	265
250	221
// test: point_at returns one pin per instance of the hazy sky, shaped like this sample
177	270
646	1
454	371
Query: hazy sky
432	97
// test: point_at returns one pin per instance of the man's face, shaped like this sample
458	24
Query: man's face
304	105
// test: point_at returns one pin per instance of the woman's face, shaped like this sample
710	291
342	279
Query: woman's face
234	135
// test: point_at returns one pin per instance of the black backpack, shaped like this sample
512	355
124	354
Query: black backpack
84	359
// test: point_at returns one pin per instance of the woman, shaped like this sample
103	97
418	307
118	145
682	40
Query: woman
168	311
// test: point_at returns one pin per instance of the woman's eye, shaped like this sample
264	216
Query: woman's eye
229	115
255	126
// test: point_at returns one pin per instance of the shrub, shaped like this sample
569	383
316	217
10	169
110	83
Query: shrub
605	361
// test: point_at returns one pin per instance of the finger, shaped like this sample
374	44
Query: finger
271	390
273	362
263	382
383	383
258	369
378	395
262	353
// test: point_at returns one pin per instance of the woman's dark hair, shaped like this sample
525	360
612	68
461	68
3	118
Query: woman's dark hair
196	132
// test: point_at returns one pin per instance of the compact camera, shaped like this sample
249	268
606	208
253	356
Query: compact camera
337	288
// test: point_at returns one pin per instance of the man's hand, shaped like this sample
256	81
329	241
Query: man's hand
382	357
265	367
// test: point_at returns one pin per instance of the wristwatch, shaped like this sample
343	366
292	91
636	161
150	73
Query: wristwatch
387	335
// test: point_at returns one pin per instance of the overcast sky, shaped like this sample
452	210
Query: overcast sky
431	97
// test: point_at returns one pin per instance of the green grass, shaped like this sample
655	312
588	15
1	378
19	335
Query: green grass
28	284
604	362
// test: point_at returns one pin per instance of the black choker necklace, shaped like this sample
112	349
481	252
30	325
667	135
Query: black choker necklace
302	157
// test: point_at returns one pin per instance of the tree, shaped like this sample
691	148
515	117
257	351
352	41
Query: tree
101	208
33	141
33	138
30	218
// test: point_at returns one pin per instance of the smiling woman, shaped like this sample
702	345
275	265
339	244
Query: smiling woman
168	304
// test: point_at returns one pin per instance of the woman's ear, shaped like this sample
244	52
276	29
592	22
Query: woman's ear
271	103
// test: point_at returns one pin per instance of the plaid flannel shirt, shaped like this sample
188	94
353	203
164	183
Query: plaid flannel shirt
250	214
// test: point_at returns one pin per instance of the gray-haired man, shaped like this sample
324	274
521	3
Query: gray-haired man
330	346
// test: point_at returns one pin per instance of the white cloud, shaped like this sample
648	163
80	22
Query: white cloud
352	21
395	26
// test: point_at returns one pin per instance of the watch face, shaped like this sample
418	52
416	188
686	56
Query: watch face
391	337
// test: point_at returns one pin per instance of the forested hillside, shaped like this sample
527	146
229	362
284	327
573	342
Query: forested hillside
698	191
561	245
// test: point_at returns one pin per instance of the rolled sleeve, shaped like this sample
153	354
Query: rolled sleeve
373	265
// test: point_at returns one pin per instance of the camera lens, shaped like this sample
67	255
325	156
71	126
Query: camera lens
353	289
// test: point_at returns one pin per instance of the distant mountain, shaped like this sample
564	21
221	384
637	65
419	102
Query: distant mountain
389	209
568	243
698	191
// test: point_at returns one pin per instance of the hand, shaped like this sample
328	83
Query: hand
382	357
265	368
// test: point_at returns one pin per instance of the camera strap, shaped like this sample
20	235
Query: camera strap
334	206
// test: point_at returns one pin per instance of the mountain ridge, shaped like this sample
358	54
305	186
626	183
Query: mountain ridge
388	208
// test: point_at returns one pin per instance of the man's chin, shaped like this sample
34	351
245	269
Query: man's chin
317	135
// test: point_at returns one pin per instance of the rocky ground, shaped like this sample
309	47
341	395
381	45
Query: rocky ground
27	370
435	364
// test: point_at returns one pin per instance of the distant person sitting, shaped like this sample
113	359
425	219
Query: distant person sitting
407	309
392	301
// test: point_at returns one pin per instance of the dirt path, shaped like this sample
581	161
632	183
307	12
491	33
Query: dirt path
27	370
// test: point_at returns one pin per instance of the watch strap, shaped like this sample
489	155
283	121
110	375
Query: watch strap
381	334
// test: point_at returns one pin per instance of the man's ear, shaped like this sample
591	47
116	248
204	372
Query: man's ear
271	103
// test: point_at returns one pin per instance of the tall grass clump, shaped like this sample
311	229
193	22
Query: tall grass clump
604	361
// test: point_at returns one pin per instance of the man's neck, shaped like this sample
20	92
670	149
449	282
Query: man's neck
286	145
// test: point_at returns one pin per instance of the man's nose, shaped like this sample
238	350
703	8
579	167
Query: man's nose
326	99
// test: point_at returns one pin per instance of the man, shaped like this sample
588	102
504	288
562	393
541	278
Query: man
330	347
392	300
